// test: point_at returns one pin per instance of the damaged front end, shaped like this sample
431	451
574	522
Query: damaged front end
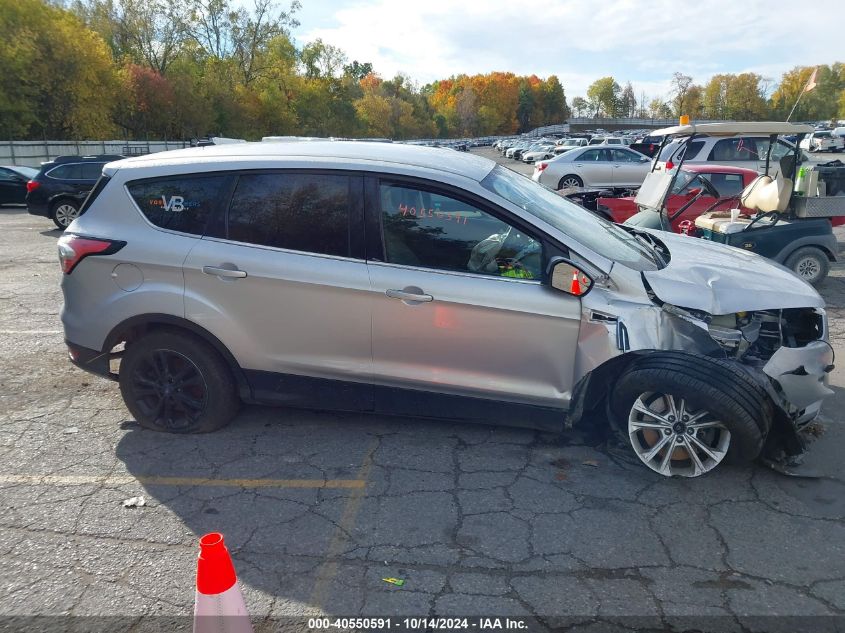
785	350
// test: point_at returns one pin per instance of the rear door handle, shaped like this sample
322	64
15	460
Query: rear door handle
408	296
224	272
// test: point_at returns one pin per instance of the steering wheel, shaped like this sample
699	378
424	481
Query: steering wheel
706	184
768	214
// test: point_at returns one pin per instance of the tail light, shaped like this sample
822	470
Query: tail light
669	165
541	166
74	248
32	185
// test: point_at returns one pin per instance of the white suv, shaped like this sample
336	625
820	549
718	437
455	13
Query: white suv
745	151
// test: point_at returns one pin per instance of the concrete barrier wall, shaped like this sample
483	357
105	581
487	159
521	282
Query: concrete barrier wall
33	153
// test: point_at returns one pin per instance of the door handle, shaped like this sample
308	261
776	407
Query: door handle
224	272
408	296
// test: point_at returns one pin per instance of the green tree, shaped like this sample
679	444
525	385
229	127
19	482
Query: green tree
603	95
58	78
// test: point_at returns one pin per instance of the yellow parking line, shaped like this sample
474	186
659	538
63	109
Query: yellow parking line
77	480
328	570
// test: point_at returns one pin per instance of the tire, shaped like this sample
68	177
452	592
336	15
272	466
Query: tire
173	381
64	212
809	263
728	413
570	180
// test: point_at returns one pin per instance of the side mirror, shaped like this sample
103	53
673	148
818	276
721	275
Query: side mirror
567	277
694	192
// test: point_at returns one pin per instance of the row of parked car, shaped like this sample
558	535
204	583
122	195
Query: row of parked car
57	190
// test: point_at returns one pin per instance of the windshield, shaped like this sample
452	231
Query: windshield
598	235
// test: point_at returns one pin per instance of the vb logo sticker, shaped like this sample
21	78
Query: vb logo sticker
175	203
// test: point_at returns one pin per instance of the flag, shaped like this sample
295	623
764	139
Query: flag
811	83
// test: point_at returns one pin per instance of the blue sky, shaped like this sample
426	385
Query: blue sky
579	40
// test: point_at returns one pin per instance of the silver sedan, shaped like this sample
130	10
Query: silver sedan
593	167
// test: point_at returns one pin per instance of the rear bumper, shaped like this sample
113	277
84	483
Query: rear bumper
38	208
91	360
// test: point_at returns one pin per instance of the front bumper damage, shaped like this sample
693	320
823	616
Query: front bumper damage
785	352
800	375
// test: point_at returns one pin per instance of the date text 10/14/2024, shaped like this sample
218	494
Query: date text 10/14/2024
418	624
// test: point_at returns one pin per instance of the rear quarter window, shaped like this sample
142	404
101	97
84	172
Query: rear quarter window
183	203
676	150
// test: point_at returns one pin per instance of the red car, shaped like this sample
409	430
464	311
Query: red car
728	181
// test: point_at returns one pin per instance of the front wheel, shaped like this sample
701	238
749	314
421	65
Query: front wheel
570	180
683	415
173	381
64	212
809	263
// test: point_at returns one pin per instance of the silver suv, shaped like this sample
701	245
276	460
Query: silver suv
418	281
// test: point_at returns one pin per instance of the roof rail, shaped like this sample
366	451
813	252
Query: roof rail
70	158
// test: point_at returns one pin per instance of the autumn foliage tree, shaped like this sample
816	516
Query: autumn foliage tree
74	69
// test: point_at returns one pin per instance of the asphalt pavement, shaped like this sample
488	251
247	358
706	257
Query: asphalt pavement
318	508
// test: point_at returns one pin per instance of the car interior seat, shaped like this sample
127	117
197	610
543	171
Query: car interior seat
766	194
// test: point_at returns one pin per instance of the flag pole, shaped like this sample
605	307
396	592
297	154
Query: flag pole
806	88
789	116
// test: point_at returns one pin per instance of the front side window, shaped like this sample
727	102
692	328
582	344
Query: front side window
586	228
180	203
92	171
622	156
430	230
301	212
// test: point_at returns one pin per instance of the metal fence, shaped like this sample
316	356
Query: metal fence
33	153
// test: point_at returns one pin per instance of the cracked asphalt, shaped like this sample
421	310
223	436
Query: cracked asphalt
477	520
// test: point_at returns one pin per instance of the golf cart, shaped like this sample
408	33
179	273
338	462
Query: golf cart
785	218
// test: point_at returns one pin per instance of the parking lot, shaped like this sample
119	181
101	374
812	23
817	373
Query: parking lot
527	169
319	508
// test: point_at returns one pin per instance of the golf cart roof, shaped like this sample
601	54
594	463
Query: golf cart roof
732	128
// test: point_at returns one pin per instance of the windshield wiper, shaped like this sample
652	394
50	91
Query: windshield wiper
652	244
655	247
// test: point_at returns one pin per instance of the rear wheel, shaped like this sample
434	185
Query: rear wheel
64	212
173	381
809	263
570	180
683	415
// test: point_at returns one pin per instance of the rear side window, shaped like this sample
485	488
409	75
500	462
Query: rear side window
599	155
731	149
301	212
182	203
72	171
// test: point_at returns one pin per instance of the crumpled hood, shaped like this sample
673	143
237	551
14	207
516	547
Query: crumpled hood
719	279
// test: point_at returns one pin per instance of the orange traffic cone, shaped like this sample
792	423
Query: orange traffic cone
219	606
575	286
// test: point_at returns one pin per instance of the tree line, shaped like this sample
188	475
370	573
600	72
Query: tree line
179	69
738	97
